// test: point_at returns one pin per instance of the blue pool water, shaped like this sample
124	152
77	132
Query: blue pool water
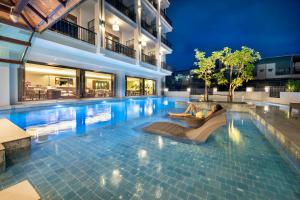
98	151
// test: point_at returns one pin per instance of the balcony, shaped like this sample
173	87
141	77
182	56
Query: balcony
119	48
118	4
164	14
75	31
166	66
149	59
152	2
149	28
166	42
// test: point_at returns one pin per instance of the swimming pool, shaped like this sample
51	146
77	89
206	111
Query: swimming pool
98	151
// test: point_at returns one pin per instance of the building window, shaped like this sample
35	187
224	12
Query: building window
134	86
99	84
44	82
149	88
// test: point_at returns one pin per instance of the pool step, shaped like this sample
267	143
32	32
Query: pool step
12	140
22	190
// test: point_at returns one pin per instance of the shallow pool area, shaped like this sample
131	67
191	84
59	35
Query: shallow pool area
99	151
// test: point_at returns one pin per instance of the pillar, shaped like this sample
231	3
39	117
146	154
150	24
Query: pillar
4	86
99	24
158	29
13	85
138	31
120	84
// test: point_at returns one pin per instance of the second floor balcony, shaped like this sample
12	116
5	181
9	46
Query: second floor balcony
75	31
166	41
119	5
151	29
165	66
119	48
150	59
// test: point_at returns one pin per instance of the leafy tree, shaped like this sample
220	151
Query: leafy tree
205	70
239	66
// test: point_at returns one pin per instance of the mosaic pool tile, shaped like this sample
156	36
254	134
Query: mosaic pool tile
114	159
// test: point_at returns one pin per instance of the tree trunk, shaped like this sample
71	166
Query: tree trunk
230	95
205	92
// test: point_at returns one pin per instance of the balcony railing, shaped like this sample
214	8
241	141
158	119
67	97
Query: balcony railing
119	48
149	59
118	4
166	66
166	41
75	31
149	28
153	3
164	14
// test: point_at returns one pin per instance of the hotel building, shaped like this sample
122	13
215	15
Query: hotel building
95	49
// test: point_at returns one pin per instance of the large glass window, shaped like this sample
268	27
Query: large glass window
150	86
134	86
44	82
139	86
99	84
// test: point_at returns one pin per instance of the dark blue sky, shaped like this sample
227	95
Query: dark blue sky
271	27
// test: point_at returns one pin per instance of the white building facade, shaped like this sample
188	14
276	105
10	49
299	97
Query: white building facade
102	48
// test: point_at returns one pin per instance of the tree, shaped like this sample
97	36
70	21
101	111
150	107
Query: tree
239	65
206	67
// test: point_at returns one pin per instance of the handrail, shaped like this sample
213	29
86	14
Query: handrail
75	31
118	4
119	48
149	28
149	59
164	14
166	41
153	3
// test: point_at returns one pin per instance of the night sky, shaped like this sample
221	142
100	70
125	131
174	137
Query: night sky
271	27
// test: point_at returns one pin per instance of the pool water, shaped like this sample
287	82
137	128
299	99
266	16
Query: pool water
99	151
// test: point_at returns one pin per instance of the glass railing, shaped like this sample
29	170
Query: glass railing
164	14
149	59
75	31
118	4
119	48
166	41
166	66
149	28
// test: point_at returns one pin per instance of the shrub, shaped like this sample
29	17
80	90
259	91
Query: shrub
293	86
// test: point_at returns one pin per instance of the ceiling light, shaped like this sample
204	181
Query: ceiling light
14	16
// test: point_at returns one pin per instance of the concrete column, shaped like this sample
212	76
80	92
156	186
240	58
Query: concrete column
99	24
138	31
120	84
158	29
4	86
13	85
158	86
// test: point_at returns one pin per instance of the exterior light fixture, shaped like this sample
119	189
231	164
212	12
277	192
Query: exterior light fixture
166	89
116	27
144	43
13	16
188	89
249	89
267	89
215	90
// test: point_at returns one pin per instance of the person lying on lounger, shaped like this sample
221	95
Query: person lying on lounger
193	110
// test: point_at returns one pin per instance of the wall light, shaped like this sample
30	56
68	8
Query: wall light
166	89
249	89
215	90
188	89
116	27
267	89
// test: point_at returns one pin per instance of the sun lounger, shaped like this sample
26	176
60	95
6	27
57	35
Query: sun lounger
200	132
